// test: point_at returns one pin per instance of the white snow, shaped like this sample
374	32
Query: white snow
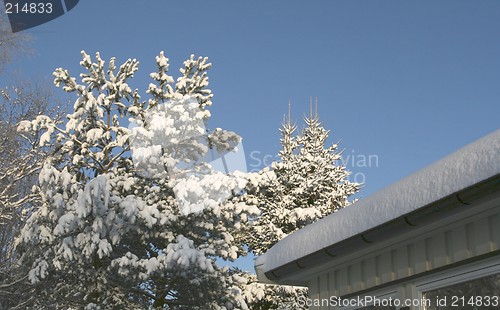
172	137
195	193
471	164
174	211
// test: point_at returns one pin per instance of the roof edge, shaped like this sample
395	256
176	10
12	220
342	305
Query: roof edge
445	207
447	185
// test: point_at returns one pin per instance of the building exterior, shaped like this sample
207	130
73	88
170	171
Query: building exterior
429	241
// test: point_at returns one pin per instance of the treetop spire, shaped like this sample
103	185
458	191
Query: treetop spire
289	110
311	115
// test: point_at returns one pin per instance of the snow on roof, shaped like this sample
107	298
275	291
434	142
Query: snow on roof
471	164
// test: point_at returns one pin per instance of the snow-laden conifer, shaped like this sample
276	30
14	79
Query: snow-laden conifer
307	183
132	216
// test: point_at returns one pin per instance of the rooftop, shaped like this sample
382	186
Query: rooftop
365	220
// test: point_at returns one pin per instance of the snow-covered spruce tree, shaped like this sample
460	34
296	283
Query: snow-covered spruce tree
306	184
133	218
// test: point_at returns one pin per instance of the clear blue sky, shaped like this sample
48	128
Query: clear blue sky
405	81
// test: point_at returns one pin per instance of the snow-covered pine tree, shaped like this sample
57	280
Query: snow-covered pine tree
269	190
133	218
306	184
325	184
